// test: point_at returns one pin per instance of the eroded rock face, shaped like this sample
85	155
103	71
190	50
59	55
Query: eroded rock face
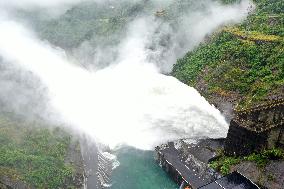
256	129
263	117
241	141
270	177
75	159
8	183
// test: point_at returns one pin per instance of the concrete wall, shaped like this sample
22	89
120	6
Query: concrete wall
263	117
172	172
241	141
255	129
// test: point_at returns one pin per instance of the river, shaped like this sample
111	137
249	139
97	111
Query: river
139	170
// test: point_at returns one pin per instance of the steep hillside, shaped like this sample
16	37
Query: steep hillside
32	156
241	64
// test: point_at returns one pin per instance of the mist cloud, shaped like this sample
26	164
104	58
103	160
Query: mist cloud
166	38
128	100
38	3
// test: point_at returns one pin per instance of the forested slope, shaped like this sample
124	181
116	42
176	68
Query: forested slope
33	155
241	64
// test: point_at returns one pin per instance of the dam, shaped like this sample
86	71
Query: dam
251	130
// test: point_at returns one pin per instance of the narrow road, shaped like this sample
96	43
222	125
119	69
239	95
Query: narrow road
90	156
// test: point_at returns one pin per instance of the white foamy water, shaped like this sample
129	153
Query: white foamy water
129	102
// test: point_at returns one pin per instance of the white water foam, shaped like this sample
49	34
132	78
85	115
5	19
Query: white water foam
129	102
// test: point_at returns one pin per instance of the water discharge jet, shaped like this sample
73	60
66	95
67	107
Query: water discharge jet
129	102
126	103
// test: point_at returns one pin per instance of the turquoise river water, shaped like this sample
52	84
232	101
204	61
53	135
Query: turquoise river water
139	170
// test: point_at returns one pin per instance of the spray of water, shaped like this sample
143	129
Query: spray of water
128	102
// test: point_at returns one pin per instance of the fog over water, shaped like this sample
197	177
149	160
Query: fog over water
115	92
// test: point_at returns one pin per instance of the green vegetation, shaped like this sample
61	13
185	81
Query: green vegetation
253	36
97	23
224	163
33	155
245	61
